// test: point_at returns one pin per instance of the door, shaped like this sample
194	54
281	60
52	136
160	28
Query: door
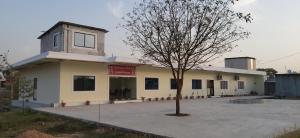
210	88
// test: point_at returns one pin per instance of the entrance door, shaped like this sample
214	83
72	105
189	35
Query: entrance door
210	88
122	88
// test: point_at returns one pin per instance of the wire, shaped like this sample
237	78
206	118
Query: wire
280	58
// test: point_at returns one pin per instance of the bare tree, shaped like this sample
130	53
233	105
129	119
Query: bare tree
25	90
184	34
4	65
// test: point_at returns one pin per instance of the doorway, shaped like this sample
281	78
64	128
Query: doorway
122	88
210	88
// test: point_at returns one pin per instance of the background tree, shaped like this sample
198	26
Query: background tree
183	34
25	90
270	72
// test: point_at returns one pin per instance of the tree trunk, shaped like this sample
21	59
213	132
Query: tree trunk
178	96
178	102
23	105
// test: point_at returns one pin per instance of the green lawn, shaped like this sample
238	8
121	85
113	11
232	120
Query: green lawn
15	122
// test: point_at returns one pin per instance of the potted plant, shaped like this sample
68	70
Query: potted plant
63	104
162	98
168	98
186	97
191	97
198	97
149	99
87	102
202	97
143	99
156	99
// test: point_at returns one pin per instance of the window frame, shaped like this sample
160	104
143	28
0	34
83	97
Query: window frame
56	36
84	40
196	85
241	88
85	90
152	89
226	86
35	87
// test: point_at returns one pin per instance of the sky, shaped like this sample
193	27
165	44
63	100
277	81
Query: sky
274	39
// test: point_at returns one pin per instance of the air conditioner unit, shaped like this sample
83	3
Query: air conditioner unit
219	77
236	77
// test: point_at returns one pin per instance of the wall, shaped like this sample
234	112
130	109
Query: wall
47	41
252	83
71	68
288	85
48	82
69	41
241	63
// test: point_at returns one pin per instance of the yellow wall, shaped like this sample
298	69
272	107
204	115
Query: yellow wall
252	83
69	69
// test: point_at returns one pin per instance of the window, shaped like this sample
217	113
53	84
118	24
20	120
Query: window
84	40
35	80
151	83
224	84
84	83
196	84
56	40
173	84
35	83
241	85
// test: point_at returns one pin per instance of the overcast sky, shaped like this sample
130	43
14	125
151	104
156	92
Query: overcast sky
274	41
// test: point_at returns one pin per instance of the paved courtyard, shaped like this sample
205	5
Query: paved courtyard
210	118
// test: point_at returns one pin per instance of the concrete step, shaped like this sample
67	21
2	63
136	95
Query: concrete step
127	101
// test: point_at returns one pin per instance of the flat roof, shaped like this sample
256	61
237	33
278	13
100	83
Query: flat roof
73	24
287	74
240	57
53	56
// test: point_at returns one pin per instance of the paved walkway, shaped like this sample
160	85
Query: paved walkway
210	118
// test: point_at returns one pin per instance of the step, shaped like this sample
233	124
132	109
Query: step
127	101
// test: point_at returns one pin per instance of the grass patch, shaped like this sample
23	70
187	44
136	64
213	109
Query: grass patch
14	122
292	134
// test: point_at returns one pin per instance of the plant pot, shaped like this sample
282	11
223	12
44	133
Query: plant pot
149	99
162	98
143	99
87	103
198	97
202	97
63	104
156	99
191	97
186	97
169	98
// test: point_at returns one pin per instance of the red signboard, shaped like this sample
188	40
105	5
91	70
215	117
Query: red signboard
121	70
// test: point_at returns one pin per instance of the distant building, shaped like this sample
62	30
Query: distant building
287	85
72	68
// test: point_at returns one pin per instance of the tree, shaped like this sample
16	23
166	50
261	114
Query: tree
183	34
270	73
25	90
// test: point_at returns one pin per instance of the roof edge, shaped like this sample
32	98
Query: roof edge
73	24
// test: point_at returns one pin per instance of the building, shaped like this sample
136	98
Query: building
287	85
72	68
